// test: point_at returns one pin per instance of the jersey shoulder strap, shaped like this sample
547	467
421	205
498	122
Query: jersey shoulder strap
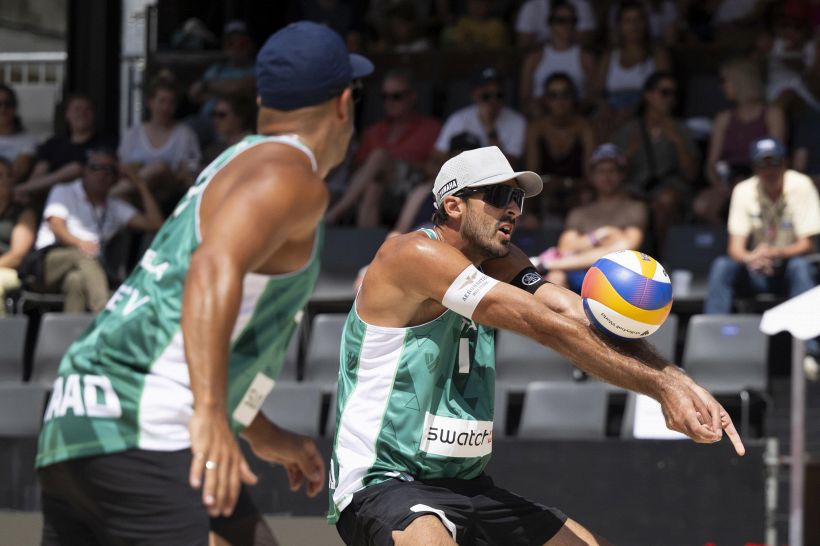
430	233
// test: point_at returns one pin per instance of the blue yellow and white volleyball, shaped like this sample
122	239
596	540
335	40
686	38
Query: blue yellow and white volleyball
627	294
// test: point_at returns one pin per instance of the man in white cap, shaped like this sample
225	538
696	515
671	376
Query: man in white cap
416	383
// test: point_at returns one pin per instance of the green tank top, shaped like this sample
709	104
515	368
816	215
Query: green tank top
412	403
124	383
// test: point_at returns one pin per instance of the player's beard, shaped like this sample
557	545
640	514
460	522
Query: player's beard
482	234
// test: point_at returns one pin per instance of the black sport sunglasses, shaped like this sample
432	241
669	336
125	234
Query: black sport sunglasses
497	195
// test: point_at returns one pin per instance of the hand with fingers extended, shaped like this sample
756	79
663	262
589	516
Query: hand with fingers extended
218	466
689	409
298	454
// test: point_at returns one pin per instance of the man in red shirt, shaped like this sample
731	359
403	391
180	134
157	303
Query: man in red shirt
393	157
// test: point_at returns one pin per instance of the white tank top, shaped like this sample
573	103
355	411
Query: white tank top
619	79
553	61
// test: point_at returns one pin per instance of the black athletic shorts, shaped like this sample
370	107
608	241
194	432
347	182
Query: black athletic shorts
474	511
135	497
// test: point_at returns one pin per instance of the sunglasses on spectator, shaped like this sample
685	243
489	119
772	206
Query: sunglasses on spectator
666	92
498	195
394	96
555	95
109	169
219	114
768	163
488	96
563	20
8	104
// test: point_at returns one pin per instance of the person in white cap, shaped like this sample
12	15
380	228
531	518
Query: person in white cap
417	372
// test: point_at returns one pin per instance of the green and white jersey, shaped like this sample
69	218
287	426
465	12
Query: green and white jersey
412	403
124	383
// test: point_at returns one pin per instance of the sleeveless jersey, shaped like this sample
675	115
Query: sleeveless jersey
412	403
124	383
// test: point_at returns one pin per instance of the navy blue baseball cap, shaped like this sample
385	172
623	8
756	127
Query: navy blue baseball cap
767	147
305	64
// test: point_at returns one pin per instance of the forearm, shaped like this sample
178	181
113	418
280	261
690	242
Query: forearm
685	160
625	364
802	246
10	260
210	306
150	206
63	236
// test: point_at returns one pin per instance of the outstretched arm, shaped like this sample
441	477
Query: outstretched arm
554	318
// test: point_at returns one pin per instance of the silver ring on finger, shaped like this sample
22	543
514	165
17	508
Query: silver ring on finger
210	465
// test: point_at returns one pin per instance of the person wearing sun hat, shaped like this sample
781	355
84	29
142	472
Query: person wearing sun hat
415	402
184	353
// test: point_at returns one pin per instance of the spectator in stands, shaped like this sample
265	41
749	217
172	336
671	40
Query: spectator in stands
532	25
562	53
806	158
661	155
393	157
235	75
614	221
234	119
488	118
16	145
400	30
477	29
624	69
662	17
733	132
17	226
772	217
558	146
343	16
61	157
789	53
165	152
79	219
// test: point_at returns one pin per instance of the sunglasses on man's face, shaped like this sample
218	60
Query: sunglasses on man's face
356	91
487	96
563	21
393	96
498	195
219	114
667	92
768	163
555	95
97	167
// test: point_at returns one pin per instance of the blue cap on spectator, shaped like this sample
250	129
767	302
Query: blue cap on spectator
305	64
767	147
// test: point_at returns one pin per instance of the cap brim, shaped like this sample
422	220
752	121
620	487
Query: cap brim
361	65
530	182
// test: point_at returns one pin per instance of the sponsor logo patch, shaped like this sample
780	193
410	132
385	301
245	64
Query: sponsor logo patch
447	187
530	278
452	437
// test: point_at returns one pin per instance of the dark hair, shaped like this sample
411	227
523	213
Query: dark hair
633	5
556	4
18	123
650	84
163	81
439	216
562	77
244	106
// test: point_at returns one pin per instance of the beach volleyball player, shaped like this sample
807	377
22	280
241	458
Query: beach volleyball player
416	384
138	443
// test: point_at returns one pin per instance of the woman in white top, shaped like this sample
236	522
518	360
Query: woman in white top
624	70
562	53
165	151
16	145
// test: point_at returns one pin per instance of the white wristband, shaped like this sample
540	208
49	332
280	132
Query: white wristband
467	291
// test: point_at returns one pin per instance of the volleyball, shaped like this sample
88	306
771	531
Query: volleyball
627	294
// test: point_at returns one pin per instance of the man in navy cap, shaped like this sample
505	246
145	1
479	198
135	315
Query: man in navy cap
139	439
772	217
